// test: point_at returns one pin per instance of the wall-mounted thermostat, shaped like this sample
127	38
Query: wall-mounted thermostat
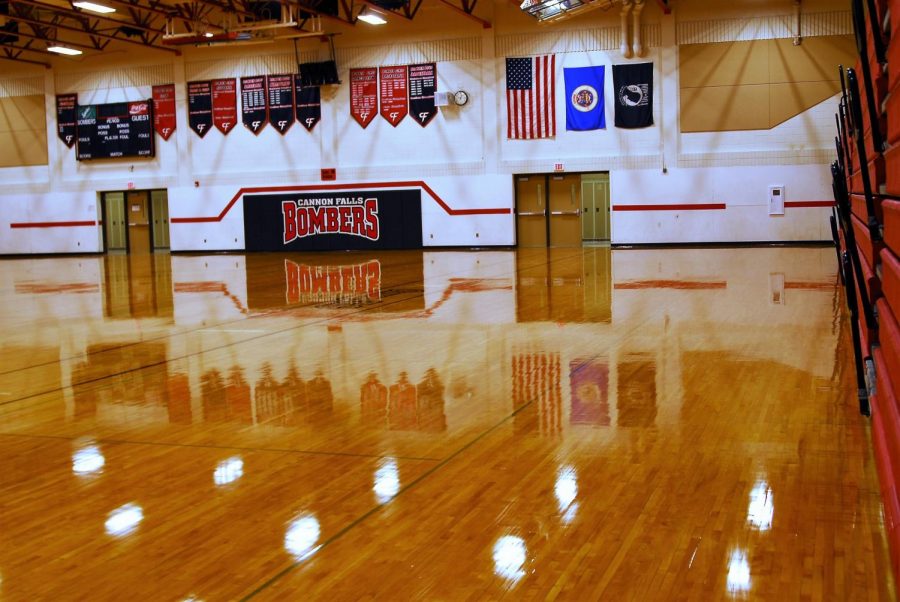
776	200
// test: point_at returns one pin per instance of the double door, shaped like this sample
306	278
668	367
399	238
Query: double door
136	221
561	210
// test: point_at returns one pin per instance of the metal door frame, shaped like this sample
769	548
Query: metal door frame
149	193
547	175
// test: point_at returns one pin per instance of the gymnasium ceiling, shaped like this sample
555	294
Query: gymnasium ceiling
29	27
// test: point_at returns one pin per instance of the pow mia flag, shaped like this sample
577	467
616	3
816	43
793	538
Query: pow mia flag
633	85
309	104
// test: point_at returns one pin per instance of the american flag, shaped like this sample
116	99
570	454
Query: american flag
530	97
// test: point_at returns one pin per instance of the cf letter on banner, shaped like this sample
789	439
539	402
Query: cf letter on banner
394	93
224	104
164	110
364	95
199	107
65	118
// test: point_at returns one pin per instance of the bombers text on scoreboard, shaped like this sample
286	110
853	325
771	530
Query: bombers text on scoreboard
354	216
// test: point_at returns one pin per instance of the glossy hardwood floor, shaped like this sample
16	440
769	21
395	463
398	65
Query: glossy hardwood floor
669	424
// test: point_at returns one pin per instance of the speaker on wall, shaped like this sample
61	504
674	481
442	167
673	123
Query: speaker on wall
319	73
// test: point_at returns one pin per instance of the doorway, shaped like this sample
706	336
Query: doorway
531	211
562	210
595	201
135	221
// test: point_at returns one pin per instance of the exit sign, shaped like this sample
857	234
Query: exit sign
558	167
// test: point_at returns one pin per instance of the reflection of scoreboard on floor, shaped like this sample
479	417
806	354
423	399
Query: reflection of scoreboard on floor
119	129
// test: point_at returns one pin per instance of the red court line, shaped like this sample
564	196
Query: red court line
689	285
318	187
52	224
670	207
809	203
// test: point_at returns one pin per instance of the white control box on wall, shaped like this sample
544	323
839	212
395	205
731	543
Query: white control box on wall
776	200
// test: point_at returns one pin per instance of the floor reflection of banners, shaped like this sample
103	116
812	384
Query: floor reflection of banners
237	397
430	404
536	379
636	402
178	400
590	392
373	407
402	399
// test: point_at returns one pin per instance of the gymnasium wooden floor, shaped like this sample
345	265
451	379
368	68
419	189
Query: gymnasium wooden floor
666	424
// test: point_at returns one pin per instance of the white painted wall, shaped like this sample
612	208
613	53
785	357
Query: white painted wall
463	154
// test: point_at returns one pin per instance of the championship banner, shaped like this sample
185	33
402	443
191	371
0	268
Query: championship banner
394	93
324	221
281	102
363	95
253	103
584	98
309	104
164	110
199	107
633	85
422	85
65	118
224	104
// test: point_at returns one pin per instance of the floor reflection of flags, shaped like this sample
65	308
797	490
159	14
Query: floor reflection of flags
537	393
589	384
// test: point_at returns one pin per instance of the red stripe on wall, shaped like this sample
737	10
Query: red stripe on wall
670	207
52	224
809	203
321	187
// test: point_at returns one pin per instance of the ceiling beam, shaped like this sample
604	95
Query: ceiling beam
8	57
46	39
466	13
80	14
24	49
90	33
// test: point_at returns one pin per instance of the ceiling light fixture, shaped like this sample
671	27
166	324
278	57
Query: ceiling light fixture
64	50
208	34
371	17
97	8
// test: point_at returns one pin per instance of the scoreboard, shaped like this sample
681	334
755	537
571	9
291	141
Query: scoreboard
119	129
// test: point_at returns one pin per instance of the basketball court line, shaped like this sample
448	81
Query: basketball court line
218	348
185	333
286	450
376	509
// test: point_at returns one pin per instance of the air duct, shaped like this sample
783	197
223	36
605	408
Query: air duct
797	38
636	28
624	46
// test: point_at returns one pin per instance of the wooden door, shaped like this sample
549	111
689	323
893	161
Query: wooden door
138	211
565	210
531	211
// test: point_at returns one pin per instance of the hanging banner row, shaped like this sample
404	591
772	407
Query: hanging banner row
403	89
274	99
279	100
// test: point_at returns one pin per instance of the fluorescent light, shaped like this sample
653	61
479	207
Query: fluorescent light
64	50
208	34
371	17
97	8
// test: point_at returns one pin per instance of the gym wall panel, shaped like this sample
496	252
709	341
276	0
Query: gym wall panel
709	109
730	64
796	78
23	131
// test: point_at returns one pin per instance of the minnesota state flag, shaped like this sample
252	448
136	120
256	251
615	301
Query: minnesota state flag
584	98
